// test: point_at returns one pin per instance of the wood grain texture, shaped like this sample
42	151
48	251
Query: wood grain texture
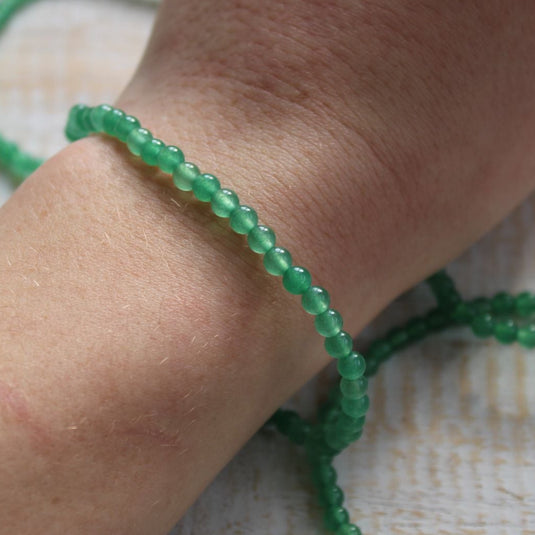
449	447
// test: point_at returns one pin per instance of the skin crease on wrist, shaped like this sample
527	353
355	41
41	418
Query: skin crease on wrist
141	341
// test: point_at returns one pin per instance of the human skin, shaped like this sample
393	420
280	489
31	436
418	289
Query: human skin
141	342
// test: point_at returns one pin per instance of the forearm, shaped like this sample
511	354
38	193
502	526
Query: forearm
142	341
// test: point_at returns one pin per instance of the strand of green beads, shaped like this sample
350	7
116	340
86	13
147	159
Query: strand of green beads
17	163
277	261
399	338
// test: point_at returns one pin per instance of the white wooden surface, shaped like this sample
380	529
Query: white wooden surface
449	447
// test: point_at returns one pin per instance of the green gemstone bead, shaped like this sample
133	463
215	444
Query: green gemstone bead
372	366
526	336
416	329
502	303
277	261
73	130
355	407
525	304
137	139
331	496
184	175
444	290
483	325
354	389
335	517
340	345
298	433
380	350
84	119
352	367
349	435
346	423
315	300
97	116
505	331
336	442
463	313
437	319
397	338
111	120
151	150
8	150
328	323
296	280
324	474
480	305
224	202
286	421
204	187
124	126
348	529
169	158
243	219
261	239
19	164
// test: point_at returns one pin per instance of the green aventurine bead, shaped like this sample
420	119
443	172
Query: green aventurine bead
525	304
483	325
354	389
137	139
296	280
97	116
335	517
291	424
463	313
526	336
124	126
170	158
150	151
21	164
397	337
243	219
328	323
111	120
505	331
436	319
184	175
84	119
480	305
380	350
346	423
355	407
73	130
261	239
416	329
224	202
331	496
277	261
352	367
339	345
8	150
502	303
323	474
348	529
204	187
315	300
